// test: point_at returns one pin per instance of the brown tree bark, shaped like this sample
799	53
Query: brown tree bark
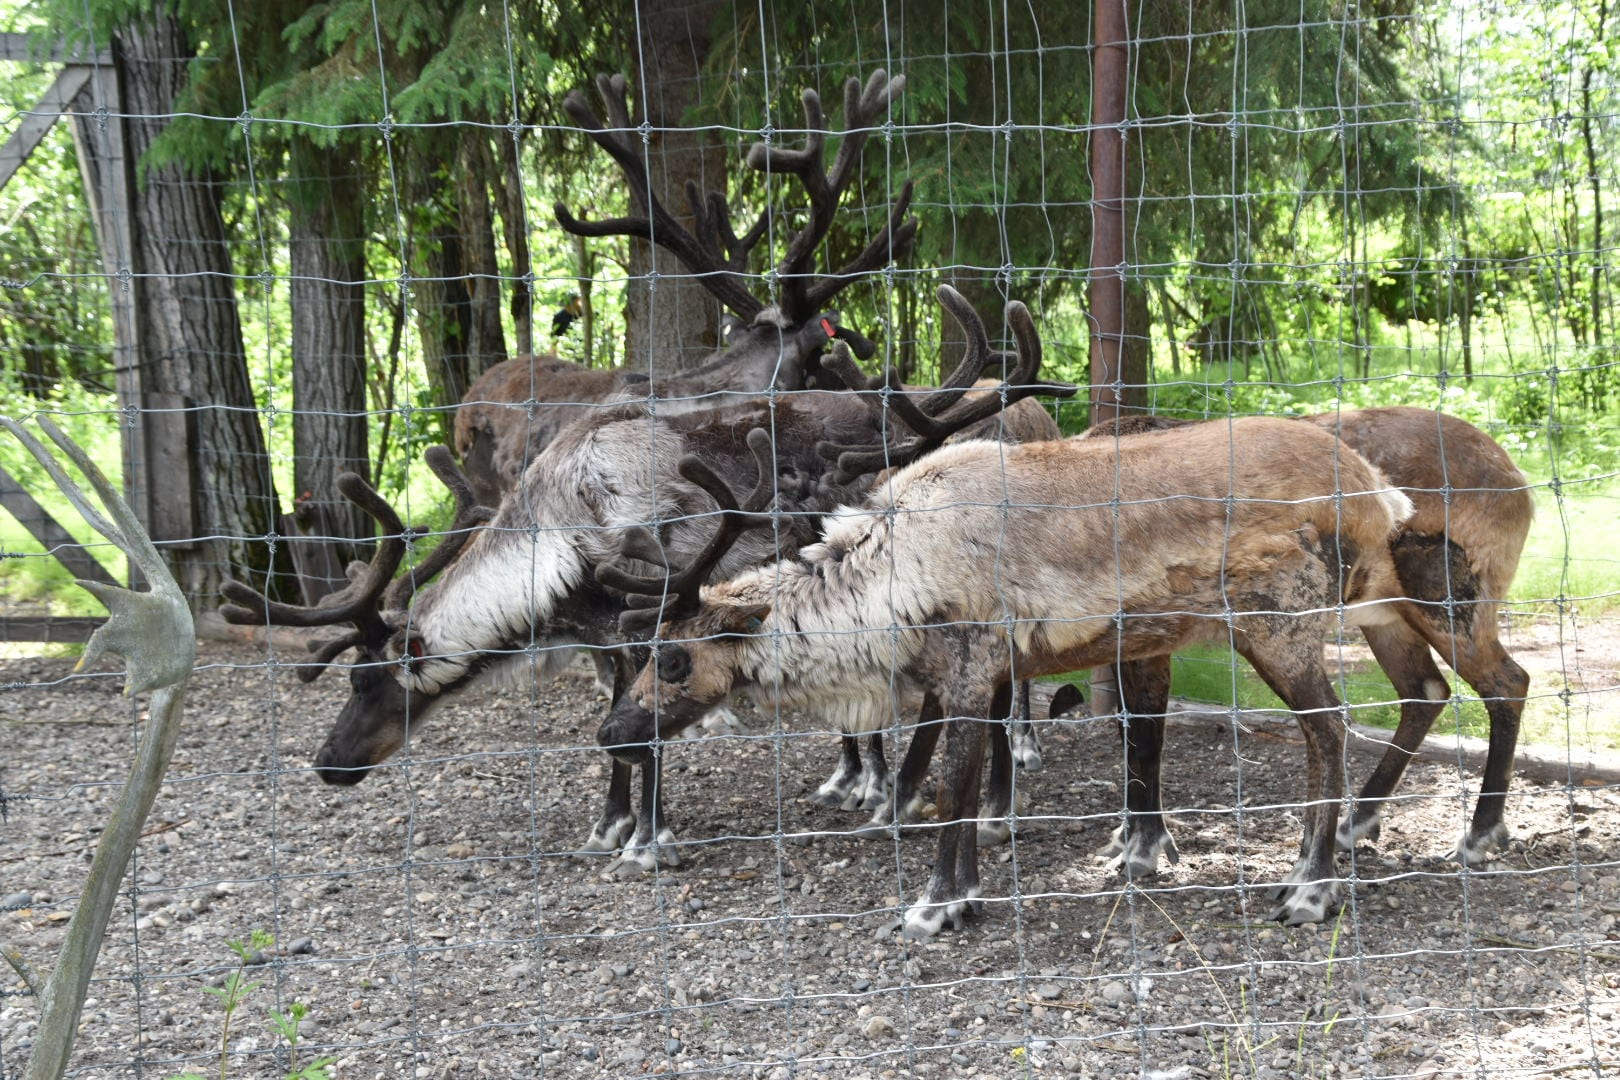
515	226
1109	145
486	340
440	302
326	245
671	319
211	465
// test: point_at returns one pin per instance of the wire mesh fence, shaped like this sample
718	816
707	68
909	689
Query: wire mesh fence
278	246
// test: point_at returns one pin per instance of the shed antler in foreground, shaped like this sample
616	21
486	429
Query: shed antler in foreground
153	632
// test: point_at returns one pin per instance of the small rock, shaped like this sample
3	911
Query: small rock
604	975
590	1053
672	1047
1049	991
1115	992
459	850
877	1026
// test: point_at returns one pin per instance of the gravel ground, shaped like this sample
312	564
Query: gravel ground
436	925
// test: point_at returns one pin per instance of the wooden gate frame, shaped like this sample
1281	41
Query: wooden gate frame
86	92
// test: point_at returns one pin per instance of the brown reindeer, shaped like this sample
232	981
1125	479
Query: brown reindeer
1455	558
981	564
525	590
518	406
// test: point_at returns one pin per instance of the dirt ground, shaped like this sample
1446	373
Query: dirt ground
436	924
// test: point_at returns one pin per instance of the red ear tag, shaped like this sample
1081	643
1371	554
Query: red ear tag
827	327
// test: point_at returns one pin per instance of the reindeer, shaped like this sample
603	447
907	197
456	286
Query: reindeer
518	406
525	585
984	563
1455	557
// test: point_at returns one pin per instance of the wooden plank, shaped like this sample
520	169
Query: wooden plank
31	129
53	628
57	540
25	48
107	178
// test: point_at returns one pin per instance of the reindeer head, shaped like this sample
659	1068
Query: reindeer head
375	720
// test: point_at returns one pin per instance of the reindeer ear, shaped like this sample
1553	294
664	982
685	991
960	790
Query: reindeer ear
745	618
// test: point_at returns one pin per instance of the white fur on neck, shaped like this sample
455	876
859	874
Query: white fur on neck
506	586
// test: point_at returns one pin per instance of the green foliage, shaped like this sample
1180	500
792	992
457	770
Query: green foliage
235	992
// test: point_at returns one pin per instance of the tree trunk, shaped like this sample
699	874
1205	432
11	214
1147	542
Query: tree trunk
671	321
486	340
326	231
1106	293
218	468
1136	351
515	226
440	302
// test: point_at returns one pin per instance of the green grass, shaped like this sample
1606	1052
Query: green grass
1571	552
1215	675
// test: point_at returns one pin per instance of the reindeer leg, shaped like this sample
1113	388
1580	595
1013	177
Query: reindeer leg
1501	684
994	827
1026	744
653	845
947	897
905	800
1290	667
837	787
606	674
616	823
1144	691
875	787
1407	661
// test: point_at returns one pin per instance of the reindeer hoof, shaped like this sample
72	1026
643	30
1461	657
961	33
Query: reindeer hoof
609	835
834	791
1359	827
1136	854
879	828
875	794
721	721
1309	903
923	920
1304	898
993	832
1475	851
1026	752
831	798
644	858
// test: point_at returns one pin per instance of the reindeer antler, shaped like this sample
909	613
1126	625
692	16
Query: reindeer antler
712	249
371	589
647	596
941	414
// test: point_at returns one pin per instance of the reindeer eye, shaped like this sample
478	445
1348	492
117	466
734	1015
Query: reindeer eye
674	664
753	624
413	645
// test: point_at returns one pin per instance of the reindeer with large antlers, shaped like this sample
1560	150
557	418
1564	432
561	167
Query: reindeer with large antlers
518	406
373	590
1259	531
528	579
